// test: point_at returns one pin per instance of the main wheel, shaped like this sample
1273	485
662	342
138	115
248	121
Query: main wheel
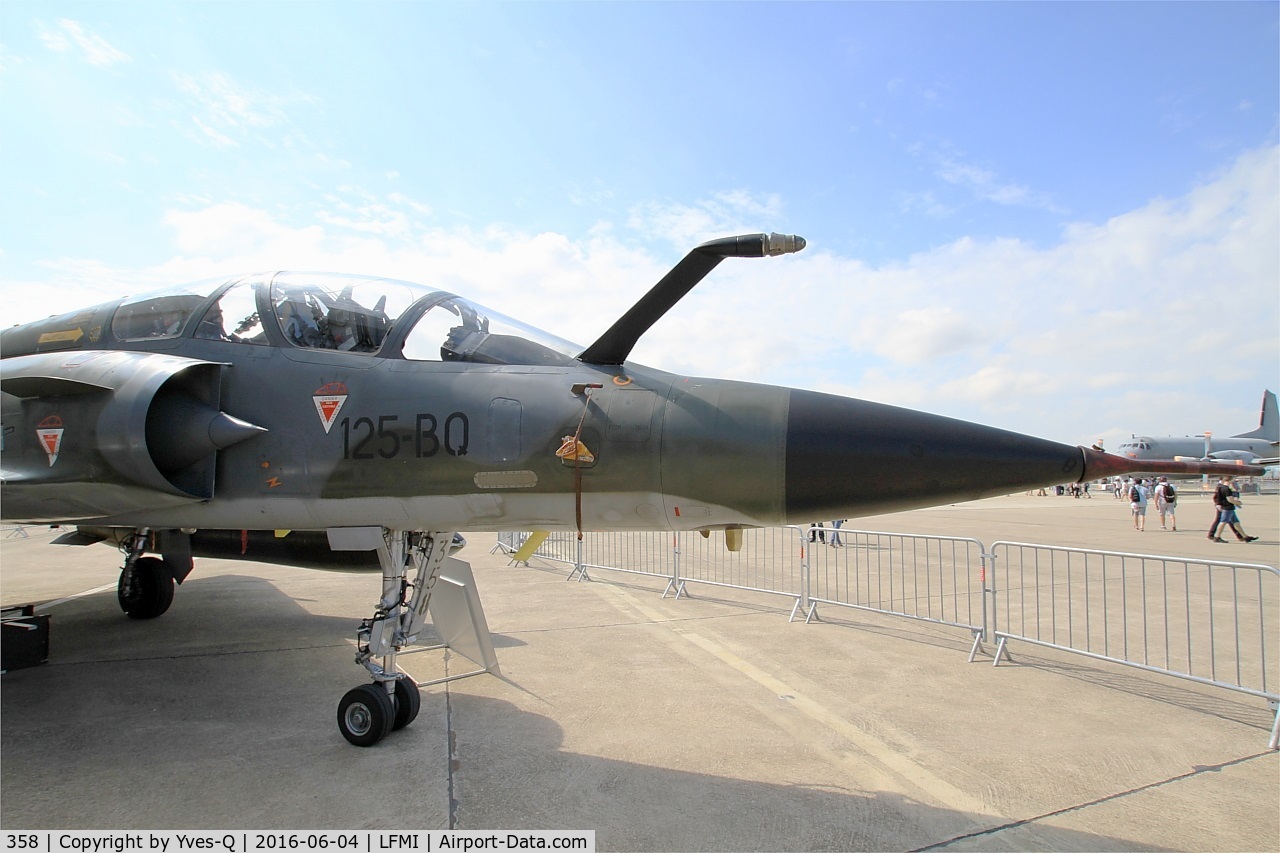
408	702
151	591
366	714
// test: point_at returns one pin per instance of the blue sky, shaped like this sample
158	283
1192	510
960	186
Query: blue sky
1062	219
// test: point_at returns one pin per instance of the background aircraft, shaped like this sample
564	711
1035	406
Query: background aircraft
1258	446
343	422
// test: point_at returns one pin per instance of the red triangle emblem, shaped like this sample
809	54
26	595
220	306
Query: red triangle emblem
328	401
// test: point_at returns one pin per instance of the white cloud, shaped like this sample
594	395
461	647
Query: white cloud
226	113
986	185
240	238
370	215
925	202
731	212
67	35
980	182
920	335
219	140
8	61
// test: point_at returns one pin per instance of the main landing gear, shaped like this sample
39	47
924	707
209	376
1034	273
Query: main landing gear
145	589
370	712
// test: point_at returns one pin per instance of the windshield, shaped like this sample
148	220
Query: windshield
162	314
356	314
456	329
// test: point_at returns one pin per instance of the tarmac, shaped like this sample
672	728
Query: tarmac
702	723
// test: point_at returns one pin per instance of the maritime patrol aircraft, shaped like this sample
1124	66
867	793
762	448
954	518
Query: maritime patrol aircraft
1257	447
328	420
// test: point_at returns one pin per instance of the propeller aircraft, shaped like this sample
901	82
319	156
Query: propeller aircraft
339	421
1256	447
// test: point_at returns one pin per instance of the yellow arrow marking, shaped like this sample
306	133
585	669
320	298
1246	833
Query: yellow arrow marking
72	335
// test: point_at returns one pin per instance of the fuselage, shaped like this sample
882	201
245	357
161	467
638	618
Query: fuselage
312	401
1171	447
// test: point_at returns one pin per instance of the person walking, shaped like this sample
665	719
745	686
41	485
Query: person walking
1166	499
1138	505
1221	504
1227	498
835	534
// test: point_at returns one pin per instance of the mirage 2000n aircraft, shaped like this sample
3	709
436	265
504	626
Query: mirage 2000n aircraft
329	421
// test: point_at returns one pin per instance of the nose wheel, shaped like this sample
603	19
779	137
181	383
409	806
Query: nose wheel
369	713
408	702
366	714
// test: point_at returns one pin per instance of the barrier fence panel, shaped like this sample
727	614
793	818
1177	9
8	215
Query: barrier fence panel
644	553
559	547
930	578
509	542
1212	622
648	553
769	560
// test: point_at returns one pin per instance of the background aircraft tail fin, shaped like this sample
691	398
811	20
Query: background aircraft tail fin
1268	421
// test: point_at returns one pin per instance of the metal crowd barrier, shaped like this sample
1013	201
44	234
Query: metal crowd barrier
1205	621
643	553
509	542
935	579
772	560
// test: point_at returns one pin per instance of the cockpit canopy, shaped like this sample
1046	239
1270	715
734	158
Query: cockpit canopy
331	311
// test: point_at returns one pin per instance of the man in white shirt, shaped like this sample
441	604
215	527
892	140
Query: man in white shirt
1166	503
1138	505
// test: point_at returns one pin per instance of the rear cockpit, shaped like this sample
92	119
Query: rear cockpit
302	311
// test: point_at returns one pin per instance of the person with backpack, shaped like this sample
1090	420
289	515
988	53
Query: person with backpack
1138	505
1166	500
1225	499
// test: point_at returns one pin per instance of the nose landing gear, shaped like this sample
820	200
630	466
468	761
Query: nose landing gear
370	712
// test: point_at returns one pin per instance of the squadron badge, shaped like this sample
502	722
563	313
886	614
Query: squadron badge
329	400
49	431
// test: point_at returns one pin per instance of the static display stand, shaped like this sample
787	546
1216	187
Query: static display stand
458	617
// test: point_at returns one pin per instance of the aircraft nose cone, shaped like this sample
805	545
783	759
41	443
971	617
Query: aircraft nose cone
847	457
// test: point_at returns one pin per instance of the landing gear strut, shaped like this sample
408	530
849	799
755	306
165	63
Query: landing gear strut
370	712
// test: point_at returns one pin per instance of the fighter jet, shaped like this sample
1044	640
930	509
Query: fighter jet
1257	447
329	420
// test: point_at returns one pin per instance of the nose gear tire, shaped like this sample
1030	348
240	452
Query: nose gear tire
408	701
366	714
